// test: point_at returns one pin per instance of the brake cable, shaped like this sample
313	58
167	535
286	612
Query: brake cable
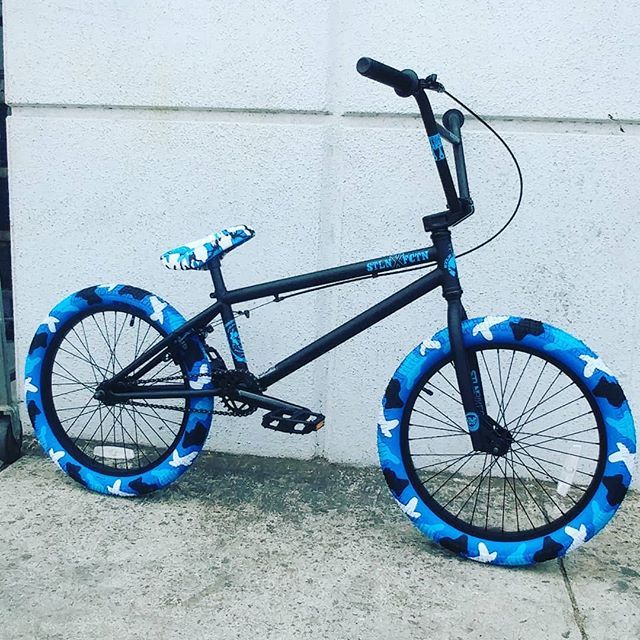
515	162
279	298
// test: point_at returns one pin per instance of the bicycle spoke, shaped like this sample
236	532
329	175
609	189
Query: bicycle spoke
428	426
139	449
118	437
559	424
490	378
157	414
71	376
544	415
452	435
575	455
150	415
502	414
552	478
486	522
78	354
504	494
93	413
449	423
544	366
468	456
464	463
454	458
449	382
516	478
477	491
154	431
515	453
142	431
517	384
66	393
444	393
566	436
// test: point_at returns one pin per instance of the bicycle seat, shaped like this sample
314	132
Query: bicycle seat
196	255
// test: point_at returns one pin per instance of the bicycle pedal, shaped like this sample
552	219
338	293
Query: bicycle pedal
301	422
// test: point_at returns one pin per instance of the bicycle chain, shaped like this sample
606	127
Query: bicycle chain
236	412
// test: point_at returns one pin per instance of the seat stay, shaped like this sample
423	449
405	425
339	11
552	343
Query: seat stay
197	322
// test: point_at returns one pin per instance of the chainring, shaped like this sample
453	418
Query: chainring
230	380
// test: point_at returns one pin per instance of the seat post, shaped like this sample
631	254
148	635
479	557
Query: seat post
219	287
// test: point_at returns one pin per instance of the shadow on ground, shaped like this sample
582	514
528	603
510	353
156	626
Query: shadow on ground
247	547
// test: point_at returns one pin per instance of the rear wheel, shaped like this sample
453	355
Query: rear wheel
569	459
123	449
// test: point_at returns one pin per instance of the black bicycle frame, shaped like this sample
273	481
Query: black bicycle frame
444	275
225	300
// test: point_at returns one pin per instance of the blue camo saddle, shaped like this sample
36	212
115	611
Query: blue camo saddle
196	255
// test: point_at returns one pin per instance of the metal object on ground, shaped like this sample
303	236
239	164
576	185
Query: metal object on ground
10	426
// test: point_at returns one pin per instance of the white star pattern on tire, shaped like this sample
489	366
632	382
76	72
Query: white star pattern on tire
578	536
116	491
592	365
429	344
158	307
483	554
410	507
182	461
55	458
51	323
202	378
623	455
386	426
486	325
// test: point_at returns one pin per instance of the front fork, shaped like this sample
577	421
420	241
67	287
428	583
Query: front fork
481	426
467	375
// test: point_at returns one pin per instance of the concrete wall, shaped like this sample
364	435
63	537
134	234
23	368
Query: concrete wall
137	126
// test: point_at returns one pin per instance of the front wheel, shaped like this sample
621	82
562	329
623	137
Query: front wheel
571	451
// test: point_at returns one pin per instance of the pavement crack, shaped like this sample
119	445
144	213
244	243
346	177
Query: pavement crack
578	616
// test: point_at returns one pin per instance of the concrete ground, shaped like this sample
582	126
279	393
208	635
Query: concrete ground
245	547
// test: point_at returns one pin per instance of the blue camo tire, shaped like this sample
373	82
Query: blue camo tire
191	438
550	342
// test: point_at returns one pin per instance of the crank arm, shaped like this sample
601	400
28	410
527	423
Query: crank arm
267	402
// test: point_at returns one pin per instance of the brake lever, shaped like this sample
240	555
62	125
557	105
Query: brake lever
430	83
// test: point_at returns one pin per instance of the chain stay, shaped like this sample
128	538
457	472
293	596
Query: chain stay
220	412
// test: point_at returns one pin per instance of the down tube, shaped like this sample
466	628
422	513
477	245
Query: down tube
351	328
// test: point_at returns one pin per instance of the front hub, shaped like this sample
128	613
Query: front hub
497	439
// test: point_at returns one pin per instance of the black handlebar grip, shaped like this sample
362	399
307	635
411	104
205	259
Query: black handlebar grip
453	120
405	83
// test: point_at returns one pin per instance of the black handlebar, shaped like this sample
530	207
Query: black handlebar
405	83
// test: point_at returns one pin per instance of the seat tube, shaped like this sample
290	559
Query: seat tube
228	318
466	365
